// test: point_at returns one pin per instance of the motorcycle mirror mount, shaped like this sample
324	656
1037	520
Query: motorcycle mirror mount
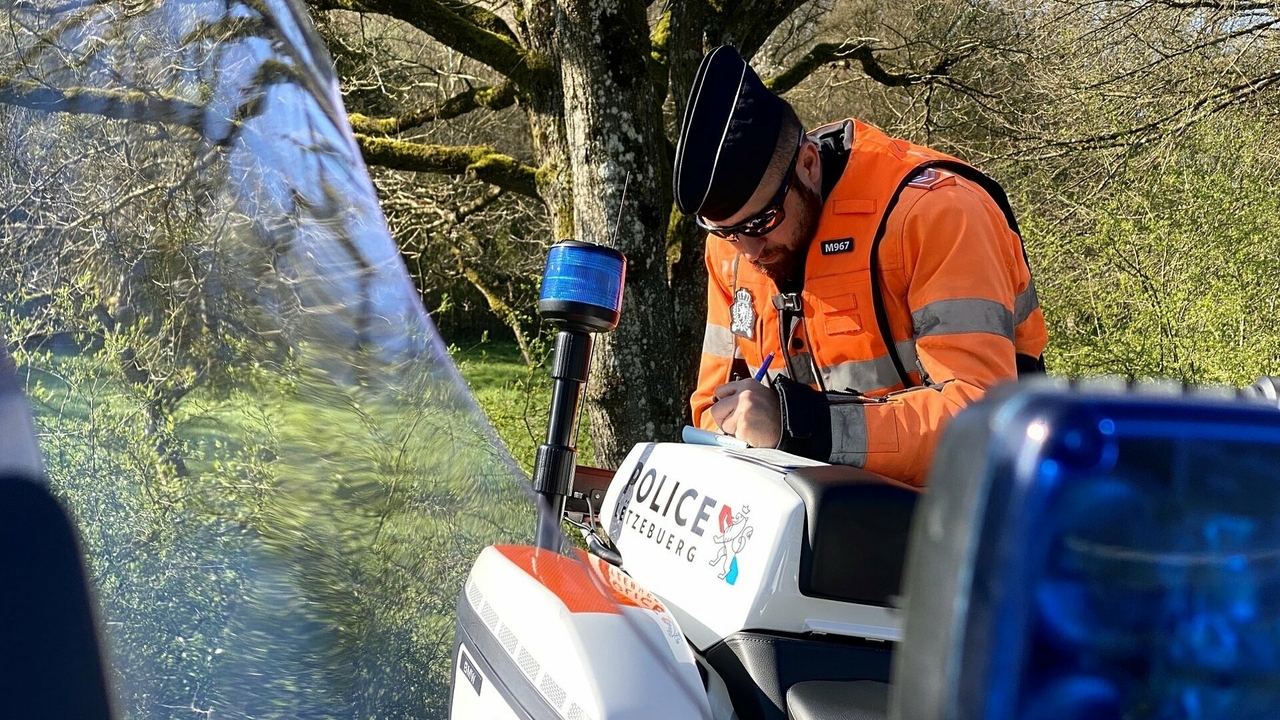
581	295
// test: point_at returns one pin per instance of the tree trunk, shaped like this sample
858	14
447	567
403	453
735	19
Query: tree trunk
545	109
686	45
689	290
615	135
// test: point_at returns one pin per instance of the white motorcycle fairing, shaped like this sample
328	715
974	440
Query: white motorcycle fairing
775	572
541	635
717	534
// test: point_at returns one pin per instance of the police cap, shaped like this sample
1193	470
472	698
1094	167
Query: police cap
728	137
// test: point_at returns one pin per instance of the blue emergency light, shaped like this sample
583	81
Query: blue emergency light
1118	558
582	286
581	294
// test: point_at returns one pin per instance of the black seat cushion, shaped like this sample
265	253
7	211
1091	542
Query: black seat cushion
759	668
834	700
50	660
856	528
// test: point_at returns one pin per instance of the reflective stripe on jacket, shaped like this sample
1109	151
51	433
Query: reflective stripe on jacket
957	294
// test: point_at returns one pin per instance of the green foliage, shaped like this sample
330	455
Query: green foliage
515	397
309	562
1169	269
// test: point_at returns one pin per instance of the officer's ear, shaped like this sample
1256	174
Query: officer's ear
809	165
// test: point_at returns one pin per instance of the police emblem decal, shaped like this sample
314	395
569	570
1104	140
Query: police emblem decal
743	315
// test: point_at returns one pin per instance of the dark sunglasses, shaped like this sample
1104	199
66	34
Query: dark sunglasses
764	222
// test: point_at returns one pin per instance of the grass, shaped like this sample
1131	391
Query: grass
315	545
514	396
313	553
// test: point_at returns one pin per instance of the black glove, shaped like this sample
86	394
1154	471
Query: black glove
806	420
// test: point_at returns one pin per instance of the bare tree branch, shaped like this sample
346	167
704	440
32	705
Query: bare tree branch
1168	124
479	161
747	24
497	305
468	29
481	17
471	12
493	98
1233	6
115	104
864	53
459	214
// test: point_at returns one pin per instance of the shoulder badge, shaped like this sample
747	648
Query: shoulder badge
930	178
743	315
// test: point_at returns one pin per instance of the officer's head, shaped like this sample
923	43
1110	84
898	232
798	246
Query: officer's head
744	168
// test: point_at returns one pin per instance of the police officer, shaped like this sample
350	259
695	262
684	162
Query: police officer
886	280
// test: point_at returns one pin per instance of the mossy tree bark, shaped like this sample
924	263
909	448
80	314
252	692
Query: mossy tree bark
617	155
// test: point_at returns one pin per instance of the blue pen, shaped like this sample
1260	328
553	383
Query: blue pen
764	368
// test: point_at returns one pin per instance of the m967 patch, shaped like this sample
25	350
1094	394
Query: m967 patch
835	247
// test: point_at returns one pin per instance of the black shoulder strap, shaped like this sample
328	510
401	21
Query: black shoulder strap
971	174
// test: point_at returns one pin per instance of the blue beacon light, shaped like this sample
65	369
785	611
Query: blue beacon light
582	286
581	294
1158	595
1125	566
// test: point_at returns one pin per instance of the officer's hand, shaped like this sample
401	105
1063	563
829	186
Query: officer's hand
749	411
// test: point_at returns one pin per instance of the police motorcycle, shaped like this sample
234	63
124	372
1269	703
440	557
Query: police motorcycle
1088	551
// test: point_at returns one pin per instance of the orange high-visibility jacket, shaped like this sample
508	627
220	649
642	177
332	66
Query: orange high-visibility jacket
957	298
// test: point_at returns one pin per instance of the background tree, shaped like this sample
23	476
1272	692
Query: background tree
568	103
598	88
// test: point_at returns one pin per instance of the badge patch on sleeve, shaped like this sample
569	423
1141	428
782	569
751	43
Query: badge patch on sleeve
743	315
835	247
930	178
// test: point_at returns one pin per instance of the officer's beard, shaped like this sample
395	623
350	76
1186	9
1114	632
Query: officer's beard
784	263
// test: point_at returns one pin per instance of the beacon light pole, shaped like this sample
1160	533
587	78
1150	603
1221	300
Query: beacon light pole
581	294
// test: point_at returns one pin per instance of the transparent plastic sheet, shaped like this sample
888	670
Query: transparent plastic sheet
279	477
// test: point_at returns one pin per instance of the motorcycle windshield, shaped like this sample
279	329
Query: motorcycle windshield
278	475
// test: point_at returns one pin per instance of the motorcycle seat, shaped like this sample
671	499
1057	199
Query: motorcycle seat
836	700
856	529
49	645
